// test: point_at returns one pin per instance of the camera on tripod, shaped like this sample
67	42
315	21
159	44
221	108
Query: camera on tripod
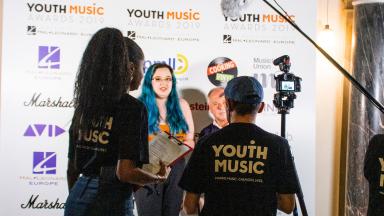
286	85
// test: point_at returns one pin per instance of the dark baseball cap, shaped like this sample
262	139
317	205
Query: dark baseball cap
244	89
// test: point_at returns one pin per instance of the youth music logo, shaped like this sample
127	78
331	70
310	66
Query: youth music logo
49	57
44	163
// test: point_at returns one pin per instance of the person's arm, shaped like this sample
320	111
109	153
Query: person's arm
128	172
287	182
72	174
370	160
286	202
191	203
189	139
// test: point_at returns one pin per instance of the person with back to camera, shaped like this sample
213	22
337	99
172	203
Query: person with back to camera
108	134
217	109
242	169
166	112
374	173
136	57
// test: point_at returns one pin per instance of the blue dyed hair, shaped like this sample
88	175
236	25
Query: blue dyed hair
175	118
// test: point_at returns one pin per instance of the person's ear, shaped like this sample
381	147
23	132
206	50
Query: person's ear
261	107
131	68
228	105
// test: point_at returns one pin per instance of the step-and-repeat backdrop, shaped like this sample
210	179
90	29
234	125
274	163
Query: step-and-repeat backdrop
42	45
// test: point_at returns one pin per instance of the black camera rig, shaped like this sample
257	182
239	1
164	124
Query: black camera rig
286	85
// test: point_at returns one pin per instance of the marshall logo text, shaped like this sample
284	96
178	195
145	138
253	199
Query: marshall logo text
37	101
45	204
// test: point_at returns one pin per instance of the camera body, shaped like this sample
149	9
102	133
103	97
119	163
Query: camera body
288	82
286	85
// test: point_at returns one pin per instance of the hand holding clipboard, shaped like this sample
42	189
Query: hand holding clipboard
166	148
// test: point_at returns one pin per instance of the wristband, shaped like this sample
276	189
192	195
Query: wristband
157	179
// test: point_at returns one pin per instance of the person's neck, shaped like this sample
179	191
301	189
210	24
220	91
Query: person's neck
161	102
222	123
248	118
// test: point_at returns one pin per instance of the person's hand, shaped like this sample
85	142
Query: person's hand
163	173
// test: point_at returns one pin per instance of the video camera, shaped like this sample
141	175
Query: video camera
286	85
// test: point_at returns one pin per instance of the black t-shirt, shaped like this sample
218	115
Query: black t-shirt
374	173
123	135
240	168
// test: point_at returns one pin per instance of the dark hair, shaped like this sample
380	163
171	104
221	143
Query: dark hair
102	79
135	52
135	56
244	109
175	117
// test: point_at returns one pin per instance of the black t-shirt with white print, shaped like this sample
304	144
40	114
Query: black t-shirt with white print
374	173
240	169
123	135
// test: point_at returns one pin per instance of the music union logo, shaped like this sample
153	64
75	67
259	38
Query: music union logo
49	57
37	130
44	163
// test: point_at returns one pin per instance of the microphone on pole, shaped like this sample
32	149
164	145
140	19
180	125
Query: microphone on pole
281	59
234	8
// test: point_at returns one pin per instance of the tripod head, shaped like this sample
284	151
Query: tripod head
286	86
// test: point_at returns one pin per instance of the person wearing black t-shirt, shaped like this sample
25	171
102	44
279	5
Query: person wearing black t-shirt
242	169
217	107
109	131
374	173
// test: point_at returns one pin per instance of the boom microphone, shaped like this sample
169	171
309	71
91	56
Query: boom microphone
234	8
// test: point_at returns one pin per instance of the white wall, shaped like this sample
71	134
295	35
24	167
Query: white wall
329	96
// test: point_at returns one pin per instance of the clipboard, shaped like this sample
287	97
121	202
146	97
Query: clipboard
166	148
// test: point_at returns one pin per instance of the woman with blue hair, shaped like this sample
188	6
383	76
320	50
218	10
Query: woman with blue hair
166	112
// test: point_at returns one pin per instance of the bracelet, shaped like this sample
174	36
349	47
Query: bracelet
157	179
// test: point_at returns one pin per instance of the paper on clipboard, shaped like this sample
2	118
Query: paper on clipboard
166	148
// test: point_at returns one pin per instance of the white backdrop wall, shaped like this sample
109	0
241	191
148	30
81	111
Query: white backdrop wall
42	45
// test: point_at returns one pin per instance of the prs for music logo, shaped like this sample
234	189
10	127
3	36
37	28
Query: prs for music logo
49	57
44	163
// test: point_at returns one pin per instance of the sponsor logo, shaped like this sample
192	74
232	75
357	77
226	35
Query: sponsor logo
31	30
227	38
37	130
256	18
258	22
164	15
49	57
65	13
38	101
35	203
145	36
221	70
267	80
262	63
65	9
269	108
131	35
159	19
44	163
179	63
250	40
199	106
